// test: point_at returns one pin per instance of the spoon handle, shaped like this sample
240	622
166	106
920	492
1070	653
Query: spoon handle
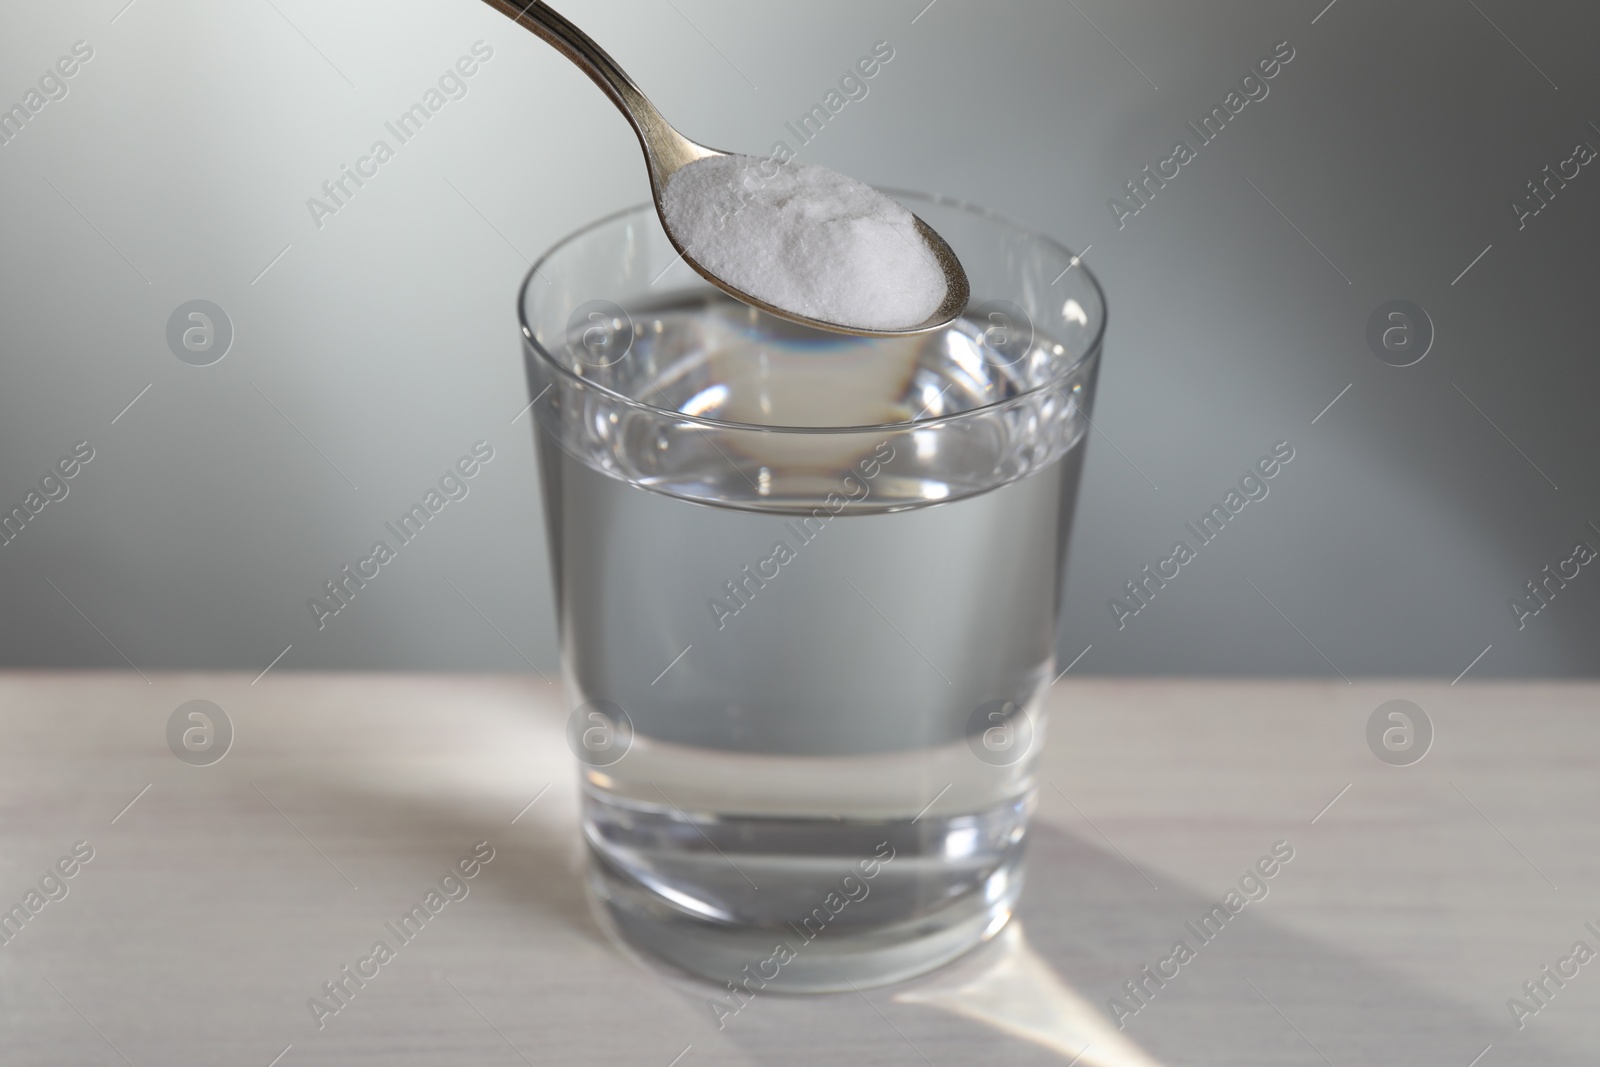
666	147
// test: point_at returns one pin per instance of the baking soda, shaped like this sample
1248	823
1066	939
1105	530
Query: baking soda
806	239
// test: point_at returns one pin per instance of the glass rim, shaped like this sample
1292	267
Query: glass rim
1090	352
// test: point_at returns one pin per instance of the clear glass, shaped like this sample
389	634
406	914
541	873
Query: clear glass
807	587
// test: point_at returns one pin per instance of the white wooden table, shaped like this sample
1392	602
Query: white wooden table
220	901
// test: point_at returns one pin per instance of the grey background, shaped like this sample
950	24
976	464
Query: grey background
378	348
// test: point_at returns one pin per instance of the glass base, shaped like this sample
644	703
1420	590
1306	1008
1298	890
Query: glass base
797	905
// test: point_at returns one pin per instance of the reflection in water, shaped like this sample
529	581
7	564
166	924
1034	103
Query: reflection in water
1007	986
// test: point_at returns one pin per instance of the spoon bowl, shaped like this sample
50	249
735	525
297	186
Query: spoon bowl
666	151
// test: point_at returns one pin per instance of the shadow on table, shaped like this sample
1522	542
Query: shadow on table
1088	922
539	867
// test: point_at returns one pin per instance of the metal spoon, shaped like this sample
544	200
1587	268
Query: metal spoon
666	151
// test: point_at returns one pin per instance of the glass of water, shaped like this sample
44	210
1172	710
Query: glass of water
807	588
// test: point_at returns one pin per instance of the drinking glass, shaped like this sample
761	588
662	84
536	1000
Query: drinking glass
807	587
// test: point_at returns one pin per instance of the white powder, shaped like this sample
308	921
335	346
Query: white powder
807	239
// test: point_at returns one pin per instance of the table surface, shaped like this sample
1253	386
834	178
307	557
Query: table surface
220	898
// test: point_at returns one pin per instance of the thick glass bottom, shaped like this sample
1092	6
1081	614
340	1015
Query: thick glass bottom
759	904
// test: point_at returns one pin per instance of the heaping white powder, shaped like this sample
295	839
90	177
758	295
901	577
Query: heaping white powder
808	240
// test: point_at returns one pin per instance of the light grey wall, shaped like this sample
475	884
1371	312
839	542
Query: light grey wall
382	344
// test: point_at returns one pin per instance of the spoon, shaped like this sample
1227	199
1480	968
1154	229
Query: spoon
666	151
